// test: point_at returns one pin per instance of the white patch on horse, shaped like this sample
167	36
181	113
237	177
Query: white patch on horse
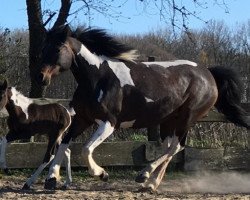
100	96
90	57
167	64
104	130
55	166
127	124
149	100
21	101
71	111
122	72
119	68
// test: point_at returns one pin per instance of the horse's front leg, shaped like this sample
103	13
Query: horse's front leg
104	130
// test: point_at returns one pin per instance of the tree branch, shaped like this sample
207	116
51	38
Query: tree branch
63	13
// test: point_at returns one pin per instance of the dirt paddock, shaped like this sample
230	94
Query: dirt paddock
203	185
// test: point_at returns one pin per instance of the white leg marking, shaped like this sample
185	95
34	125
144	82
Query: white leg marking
56	164
174	148
3	153
68	168
39	170
104	130
158	175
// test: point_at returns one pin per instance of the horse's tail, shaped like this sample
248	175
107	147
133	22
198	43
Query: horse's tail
230	89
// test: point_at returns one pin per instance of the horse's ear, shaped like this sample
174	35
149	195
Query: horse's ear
64	32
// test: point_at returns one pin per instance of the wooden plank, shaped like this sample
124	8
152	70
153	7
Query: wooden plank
218	159
30	155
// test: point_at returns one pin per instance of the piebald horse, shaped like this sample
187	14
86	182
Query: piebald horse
27	119
114	91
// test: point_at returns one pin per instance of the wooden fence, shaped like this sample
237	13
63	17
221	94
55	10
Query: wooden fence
131	153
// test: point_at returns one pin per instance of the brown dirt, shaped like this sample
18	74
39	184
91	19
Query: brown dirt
195	186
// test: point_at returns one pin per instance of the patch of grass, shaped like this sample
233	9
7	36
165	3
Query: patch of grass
138	137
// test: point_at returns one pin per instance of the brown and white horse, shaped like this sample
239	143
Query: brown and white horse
27	119
115	91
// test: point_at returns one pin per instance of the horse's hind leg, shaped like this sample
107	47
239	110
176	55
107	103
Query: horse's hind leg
174	148
176	129
157	176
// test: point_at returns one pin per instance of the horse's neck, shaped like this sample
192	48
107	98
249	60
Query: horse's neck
84	73
12	109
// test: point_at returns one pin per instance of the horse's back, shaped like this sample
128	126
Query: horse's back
54	113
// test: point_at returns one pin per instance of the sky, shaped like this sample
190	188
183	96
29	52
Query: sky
136	17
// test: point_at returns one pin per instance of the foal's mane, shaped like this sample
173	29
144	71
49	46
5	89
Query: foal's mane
101	43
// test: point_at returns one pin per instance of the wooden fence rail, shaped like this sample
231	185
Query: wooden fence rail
30	155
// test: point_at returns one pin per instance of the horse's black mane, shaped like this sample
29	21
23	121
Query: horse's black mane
99	42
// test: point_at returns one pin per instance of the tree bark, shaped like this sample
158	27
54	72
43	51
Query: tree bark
37	33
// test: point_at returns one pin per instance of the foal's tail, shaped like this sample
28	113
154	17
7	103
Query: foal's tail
230	89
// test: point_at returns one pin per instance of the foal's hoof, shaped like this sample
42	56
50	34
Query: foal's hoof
104	176
141	179
50	184
26	187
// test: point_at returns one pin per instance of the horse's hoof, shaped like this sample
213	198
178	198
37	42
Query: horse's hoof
146	190
26	187
50	184
141	179
104	176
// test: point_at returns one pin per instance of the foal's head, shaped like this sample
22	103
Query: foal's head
3	94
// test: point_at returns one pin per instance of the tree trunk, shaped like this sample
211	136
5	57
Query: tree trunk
37	33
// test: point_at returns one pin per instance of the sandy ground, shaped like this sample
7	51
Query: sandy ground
194	186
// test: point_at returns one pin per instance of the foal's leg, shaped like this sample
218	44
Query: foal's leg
77	127
104	130
47	159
